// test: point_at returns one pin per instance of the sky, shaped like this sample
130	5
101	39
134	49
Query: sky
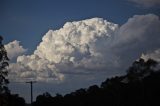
68	44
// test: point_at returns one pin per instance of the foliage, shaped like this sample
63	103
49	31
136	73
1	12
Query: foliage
138	88
6	99
4	91
3	72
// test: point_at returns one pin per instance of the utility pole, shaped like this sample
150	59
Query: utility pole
31	83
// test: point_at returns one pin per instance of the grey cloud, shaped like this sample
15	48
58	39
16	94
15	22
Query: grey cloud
139	35
147	3
153	55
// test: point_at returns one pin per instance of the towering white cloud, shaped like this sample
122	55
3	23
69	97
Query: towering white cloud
75	40
14	49
76	47
147	3
89	46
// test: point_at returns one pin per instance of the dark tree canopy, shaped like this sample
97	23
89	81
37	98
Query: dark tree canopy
140	69
6	98
4	91
3	71
139	87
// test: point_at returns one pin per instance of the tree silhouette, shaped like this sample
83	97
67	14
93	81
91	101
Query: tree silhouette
3	73
140	69
139	87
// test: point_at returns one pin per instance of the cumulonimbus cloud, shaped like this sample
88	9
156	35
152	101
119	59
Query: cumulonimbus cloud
75	47
87	46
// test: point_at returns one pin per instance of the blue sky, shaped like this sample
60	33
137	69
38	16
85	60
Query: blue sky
29	20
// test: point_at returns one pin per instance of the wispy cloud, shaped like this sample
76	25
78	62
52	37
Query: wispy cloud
146	3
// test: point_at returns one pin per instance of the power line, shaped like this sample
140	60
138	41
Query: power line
15	82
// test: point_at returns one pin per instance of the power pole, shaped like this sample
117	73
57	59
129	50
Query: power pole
31	83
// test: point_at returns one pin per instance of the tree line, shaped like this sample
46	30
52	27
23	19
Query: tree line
139	87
